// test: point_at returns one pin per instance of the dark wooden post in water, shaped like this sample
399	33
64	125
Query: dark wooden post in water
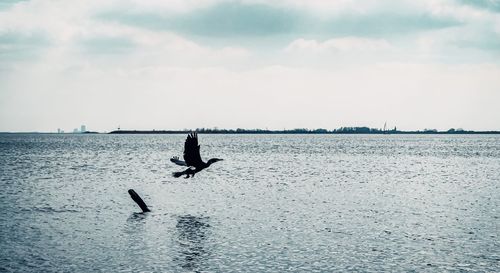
138	200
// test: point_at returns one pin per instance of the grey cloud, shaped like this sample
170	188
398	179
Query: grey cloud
227	20
5	4
17	46
489	42
493	5
384	25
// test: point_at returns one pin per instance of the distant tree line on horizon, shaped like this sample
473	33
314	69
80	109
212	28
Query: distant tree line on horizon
341	130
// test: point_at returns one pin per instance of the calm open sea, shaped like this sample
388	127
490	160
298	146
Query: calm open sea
295	203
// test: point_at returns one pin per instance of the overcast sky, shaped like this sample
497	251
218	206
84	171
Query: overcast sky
178	64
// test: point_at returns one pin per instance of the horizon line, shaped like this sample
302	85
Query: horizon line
215	130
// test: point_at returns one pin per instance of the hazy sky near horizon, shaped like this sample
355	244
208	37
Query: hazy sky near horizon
249	64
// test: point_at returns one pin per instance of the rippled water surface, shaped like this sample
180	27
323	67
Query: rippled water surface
297	203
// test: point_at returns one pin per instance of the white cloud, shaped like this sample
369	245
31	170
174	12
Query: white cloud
339	44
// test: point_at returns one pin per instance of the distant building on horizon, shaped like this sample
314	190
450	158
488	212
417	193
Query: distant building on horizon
83	129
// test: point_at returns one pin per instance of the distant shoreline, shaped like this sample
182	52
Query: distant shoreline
308	132
340	131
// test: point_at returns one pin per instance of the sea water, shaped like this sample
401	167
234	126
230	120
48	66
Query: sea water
277	203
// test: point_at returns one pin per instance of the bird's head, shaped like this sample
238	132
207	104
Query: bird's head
213	160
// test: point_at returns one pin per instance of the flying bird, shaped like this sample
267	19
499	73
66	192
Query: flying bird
192	158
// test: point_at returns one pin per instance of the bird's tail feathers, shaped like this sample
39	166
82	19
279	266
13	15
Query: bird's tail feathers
178	174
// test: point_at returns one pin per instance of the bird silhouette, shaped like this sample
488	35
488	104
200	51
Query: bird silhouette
192	158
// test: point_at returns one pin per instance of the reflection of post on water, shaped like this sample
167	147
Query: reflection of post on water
135	243
135	223
192	232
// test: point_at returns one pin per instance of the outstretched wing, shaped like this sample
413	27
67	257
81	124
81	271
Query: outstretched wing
176	160
192	151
